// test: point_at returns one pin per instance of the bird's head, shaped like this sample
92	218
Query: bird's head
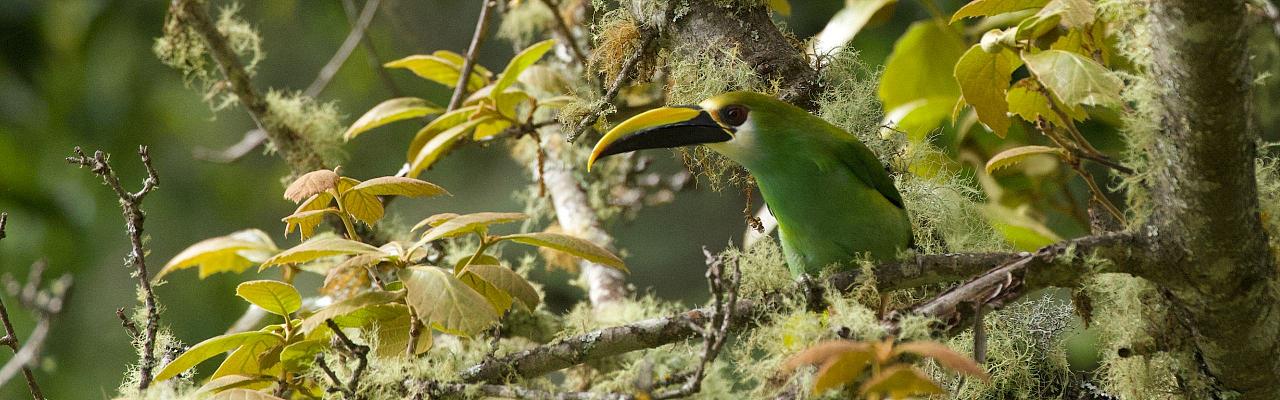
732	124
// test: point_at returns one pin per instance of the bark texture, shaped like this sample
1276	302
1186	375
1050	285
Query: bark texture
1220	275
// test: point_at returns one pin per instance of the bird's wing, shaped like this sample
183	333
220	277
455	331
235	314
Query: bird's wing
864	164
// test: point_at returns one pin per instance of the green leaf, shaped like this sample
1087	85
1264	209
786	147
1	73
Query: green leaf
1026	101
1020	230
275	297
310	184
446	302
438	125
521	61
393	324
236	382
434	220
299	355
1036	26
921	65
245	359
780	6
1074	79
440	144
344	307
364	206
920	118
571	245
985	8
900	382
1074	13
243	394
318	248
468	223
231	253
306	218
458	59
438	69
846	24
984	78
1018	154
389	111
498	298
212	347
487	130
399	186
508	281
944	356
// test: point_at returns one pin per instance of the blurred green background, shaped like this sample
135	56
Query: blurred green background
82	73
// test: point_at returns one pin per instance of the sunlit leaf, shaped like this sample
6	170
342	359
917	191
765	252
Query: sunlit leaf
1027	101
306	218
299	355
944	356
458	59
273	296
488	130
921	65
438	125
347	306
393	323
507	102
509	281
1074	13
1074	79
1018	154
920	118
236	382
399	186
231	253
468	223
780	6
570	244
900	382
318	248
438	69
1036	26
441	144
362	205
311	183
521	61
984	78
244	360
389	111
1022	231
498	298
212	347
983	8
446	302
846	24
434	220
243	394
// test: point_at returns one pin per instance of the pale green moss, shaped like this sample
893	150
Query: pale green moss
183	49
526	22
320	123
1025	355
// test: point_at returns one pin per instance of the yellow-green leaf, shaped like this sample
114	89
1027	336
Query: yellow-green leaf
900	382
468	223
299	355
438	125
1074	13
944	356
920	118
310	184
498	298
434	220
458	59
245	359
318	248
438	69
231	253
275	297
841	369
521	61
846	24
236	382
984	8
389	111
435	148
984	78
344	307
212	347
306	221
243	394
362	205
399	186
508	281
393	324
570	244
1027	101
1074	79
1036	26
1022	231
921	65
1018	154
781	6
488	130
451	306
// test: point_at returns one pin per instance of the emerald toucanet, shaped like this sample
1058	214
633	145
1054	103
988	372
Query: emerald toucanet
833	199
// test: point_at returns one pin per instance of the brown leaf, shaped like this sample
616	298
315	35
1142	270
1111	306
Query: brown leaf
311	183
944	356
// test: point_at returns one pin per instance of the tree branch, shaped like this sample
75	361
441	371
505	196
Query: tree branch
131	205
477	38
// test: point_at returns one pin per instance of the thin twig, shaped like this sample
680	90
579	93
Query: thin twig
360	351
375	61
563	28
10	339
131	205
624	76
127	323
716	333
464	77
251	140
344	51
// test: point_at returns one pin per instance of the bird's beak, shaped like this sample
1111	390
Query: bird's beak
664	127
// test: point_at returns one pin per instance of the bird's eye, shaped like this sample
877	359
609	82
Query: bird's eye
733	115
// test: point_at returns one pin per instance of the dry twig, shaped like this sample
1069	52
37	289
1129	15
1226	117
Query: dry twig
464	77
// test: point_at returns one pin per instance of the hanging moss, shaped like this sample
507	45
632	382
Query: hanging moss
181	48
318	122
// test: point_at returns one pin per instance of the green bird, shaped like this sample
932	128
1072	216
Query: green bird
831	196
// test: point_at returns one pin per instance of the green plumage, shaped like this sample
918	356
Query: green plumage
831	196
